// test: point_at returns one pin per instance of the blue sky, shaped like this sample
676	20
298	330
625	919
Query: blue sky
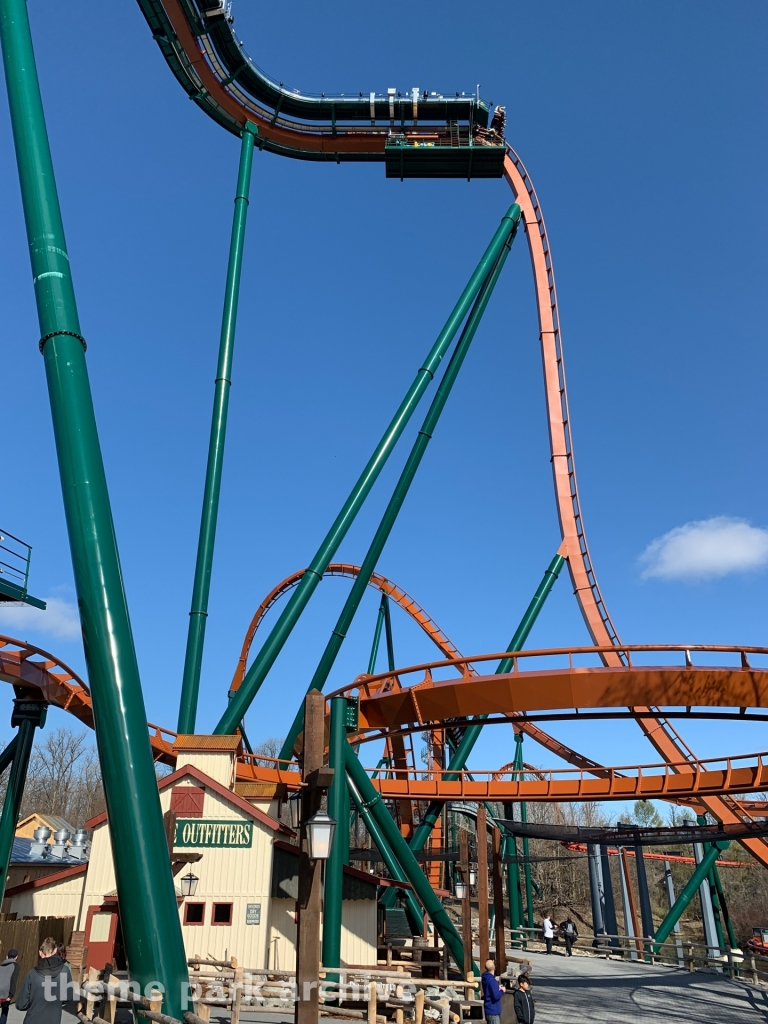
642	128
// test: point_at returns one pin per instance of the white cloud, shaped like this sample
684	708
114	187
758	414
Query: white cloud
706	549
60	619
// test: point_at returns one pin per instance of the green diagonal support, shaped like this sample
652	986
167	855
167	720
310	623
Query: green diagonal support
355	596
274	643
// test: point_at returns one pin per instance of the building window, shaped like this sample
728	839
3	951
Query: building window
194	913
222	913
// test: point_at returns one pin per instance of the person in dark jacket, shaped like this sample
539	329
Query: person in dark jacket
570	934
525	1011
492	993
45	987
9	975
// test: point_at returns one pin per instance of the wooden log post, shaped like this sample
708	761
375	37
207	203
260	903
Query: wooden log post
689	956
418	1007
466	903
308	904
482	883
237	993
498	902
371	1002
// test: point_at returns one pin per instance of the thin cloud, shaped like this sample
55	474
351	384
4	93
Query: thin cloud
60	619
706	549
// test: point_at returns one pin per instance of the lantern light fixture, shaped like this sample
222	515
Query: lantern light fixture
189	884
320	830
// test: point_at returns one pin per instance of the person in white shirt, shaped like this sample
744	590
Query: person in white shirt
549	931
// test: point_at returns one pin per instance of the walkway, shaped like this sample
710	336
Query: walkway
572	990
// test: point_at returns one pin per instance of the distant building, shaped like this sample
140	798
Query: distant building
37	819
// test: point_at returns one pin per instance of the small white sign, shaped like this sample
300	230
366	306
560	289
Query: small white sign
253	913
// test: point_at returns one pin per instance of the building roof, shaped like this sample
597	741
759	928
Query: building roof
189	771
22	854
53	821
56	876
206	743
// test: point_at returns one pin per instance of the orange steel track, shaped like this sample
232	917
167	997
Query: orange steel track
659	731
25	665
411	607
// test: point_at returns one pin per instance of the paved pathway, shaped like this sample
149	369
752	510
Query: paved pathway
580	989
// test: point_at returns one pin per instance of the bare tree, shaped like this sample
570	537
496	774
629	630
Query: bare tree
64	777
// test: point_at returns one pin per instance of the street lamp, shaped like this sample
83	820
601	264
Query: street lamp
460	889
472	876
189	884
320	829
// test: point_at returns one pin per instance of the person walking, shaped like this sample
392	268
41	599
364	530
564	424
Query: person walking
492	993
549	931
9	975
45	987
570	934
525	1011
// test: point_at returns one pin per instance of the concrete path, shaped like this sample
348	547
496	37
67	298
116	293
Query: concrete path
580	989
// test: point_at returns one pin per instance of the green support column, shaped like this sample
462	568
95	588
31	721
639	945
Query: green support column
28	715
202	585
8	754
718	887
338	808
355	596
404	855
513	874
689	891
412	908
471	733
274	643
383	603
714	896
148	911
526	850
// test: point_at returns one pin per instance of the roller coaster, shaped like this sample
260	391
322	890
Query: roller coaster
417	134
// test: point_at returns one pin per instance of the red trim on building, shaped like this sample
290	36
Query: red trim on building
40	883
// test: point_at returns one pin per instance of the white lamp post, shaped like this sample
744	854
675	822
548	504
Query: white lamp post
189	884
320	829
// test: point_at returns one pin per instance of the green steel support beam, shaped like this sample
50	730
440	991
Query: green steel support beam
377	635
338	808
299	599
689	891
27	715
388	635
513	873
148	911
412	908
459	760
199	611
404	855
8	754
718	884
355	596
518	764
714	896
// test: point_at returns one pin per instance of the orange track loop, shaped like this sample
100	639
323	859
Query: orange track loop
23	664
404	601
